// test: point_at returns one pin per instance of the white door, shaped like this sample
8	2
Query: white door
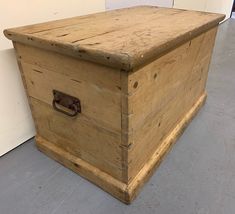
215	6
16	125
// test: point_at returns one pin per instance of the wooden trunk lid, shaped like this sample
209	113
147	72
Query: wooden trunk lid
123	39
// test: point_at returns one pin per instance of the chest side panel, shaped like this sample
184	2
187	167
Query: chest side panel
160	95
95	134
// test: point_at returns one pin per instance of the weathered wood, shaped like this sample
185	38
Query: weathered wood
94	136
122	191
166	89
92	143
135	42
103	180
154	161
46	71
128	120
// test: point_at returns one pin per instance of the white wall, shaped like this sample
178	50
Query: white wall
220	6
115	4
16	125
199	5
215	6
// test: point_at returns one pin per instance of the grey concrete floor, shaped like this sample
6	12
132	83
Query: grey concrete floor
197	176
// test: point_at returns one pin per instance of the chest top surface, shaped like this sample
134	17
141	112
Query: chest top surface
123	39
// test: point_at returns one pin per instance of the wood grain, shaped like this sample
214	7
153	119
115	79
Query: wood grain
128	120
80	137
98	91
148	169
135	42
95	175
166	89
122	191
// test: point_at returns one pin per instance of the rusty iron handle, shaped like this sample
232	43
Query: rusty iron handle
66	101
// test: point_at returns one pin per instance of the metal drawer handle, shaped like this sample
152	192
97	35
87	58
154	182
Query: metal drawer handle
66	104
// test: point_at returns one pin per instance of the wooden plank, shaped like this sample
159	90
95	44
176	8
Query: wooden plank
157	104
99	140
149	168
137	43
86	19
106	111
162	125
124	125
95	175
124	192
150	86
140	41
91	143
77	33
82	77
101	87
93	73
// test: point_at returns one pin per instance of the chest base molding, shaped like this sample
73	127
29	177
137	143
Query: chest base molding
124	192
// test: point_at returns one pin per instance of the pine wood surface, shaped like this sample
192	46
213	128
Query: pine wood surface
166	89
129	120
122	191
125	38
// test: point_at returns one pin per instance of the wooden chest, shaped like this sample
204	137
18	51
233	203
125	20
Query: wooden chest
111	92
